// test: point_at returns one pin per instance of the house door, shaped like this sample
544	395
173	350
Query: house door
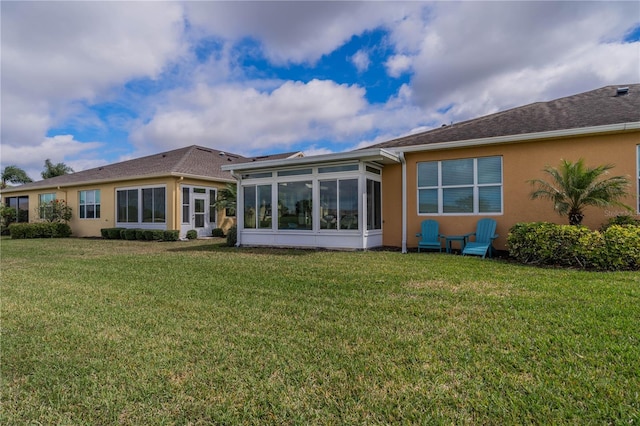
199	219
197	210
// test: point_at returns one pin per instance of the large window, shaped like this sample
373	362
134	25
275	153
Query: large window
141	205
44	205
153	205
21	204
89	204
339	204
466	186
257	206
638	170
294	205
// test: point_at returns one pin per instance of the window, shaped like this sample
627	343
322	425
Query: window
257	206
465	186
294	205
374	205
337	169
141	205
294	172
638	160
153	203
21	204
127	206
185	205
89	204
44	208
339	204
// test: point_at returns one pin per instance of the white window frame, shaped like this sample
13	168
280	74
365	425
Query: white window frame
139	223
313	174
95	204
42	200
475	186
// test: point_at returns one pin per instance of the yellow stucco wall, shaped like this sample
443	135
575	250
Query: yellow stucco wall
91	227
521	162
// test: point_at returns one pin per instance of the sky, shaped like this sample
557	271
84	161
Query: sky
89	83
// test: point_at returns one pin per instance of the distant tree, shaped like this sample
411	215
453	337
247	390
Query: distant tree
573	186
53	170
227	198
14	174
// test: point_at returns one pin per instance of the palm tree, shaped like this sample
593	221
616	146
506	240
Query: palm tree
14	174
53	170
227	198
573	186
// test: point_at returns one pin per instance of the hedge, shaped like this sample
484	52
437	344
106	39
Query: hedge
39	230
541	243
139	234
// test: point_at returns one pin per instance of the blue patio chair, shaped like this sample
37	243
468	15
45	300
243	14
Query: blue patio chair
484	236
430	238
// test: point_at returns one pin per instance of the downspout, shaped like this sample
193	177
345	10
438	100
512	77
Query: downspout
403	209
239	208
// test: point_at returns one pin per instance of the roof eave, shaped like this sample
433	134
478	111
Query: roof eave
378	155
112	180
525	137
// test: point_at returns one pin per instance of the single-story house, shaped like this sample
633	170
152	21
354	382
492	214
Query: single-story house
457	174
367	198
170	190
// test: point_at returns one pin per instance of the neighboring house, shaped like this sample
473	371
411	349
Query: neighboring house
169	190
456	174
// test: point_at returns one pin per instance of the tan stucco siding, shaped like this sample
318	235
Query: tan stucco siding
392	205
522	162
92	227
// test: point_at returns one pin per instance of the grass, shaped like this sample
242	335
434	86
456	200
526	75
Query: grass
127	332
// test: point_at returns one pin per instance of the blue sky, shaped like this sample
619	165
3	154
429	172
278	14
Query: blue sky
90	83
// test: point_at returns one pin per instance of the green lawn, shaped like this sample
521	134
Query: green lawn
119	332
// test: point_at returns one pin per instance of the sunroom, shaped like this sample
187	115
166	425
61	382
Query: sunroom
327	201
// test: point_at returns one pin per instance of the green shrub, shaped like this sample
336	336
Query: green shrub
111	233
217	232
130	234
171	235
153	234
620	220
192	234
7	217
39	230
622	247
140	234
543	243
232	236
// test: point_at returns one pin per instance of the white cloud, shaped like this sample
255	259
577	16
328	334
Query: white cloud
398	64
298	32
58	149
361	60
242	120
56	53
481	57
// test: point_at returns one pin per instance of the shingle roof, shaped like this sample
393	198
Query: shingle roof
595	108
191	160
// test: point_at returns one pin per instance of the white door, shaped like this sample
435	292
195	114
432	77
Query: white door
199	219
197	212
